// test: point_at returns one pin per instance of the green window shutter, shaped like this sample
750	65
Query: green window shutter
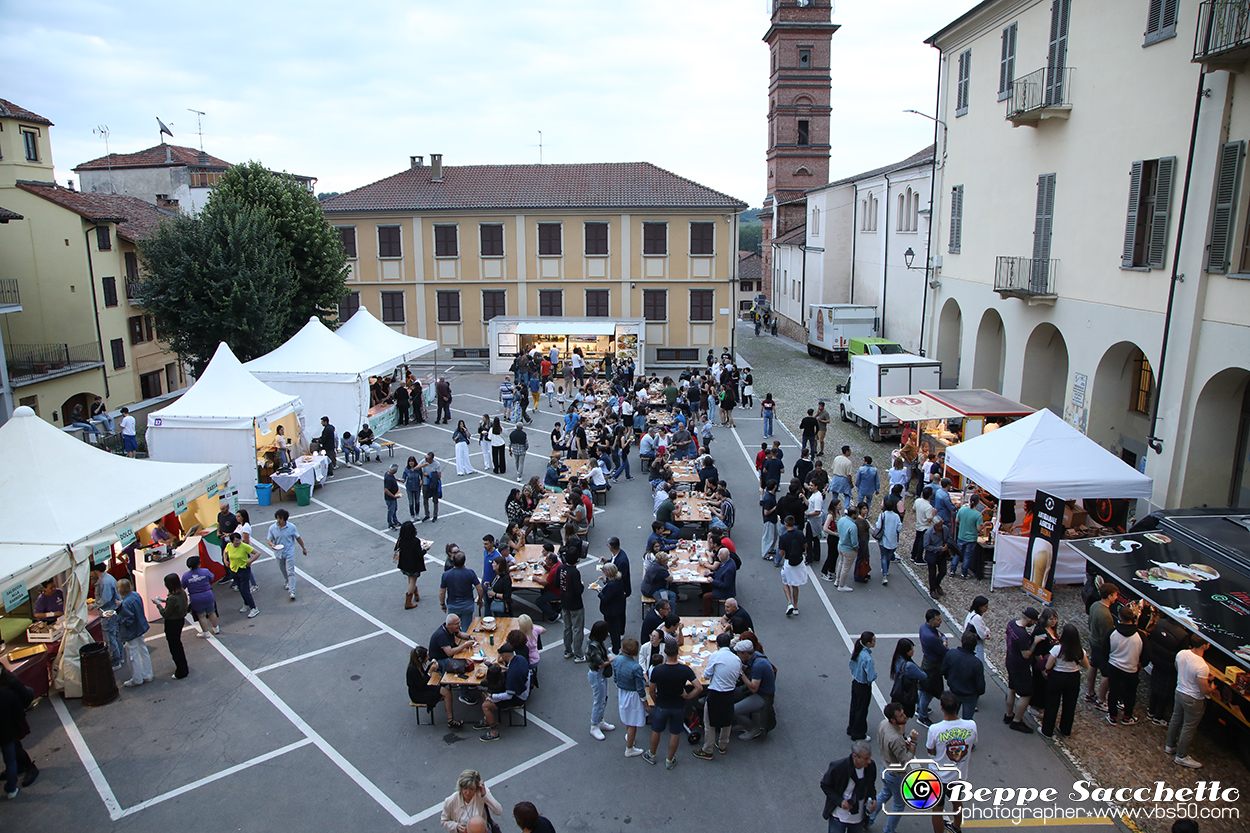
1130	225
1043	227
1229	172
1157	243
1057	55
957	218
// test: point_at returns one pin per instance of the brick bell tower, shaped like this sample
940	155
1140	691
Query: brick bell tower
798	115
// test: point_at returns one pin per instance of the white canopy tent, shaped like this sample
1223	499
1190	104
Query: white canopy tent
225	417
1042	452
376	339
49	530
329	374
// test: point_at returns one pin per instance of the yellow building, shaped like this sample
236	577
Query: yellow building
71	264
574	255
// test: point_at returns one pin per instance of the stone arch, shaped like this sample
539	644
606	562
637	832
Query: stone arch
83	399
949	342
1120	401
1216	471
802	170
990	357
1044	383
803	101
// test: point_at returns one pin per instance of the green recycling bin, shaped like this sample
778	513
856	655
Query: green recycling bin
303	494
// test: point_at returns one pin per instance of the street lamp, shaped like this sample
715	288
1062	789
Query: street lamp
909	256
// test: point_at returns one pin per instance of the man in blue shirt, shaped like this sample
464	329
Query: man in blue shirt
456	591
551	478
724	584
867	481
933	649
107	598
489	553
848	550
942	504
659	532
283	536
753	712
516	691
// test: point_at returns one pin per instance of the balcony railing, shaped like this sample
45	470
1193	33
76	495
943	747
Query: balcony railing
28	363
9	296
1025	277
1042	94
1223	35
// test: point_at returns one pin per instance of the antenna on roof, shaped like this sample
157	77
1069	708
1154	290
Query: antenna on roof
540	147
103	130
199	124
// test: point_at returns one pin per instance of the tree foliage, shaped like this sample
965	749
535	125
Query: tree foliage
750	236
219	277
315	248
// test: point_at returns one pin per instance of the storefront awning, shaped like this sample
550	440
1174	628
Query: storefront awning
913	408
567	327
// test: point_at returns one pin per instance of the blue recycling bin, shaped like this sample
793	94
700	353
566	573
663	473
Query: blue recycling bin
264	493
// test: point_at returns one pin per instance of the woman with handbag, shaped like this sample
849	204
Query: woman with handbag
907	677
421	692
600	662
410	559
470	799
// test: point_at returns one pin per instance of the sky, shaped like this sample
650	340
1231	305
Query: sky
347	92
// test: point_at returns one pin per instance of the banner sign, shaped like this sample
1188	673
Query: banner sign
180	505
1045	536
16	596
126	535
212	488
100	553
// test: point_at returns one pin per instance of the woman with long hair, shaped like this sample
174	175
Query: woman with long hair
533	634
1047	628
598	657
863	674
461	438
410	559
1064	664
906	676
768	410
499	590
976	620
282	447
412	485
420	692
498	445
483	439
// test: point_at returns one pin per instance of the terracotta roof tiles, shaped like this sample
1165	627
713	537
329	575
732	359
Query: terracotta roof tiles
153	157
10	110
136	219
6	215
591	185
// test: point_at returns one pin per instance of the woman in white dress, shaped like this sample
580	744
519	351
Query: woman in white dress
461	438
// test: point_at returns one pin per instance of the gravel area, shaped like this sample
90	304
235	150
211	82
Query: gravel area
1113	756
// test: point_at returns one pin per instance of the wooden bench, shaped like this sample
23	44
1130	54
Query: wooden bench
647	604
388	445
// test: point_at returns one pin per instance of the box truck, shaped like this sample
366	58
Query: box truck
886	375
830	328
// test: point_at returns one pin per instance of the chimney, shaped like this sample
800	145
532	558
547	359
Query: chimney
436	167
69	183
203	158
168	156
415	162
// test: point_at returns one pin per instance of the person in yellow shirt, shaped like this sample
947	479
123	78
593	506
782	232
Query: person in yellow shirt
241	556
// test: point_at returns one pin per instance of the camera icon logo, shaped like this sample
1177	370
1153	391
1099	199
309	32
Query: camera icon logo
924	786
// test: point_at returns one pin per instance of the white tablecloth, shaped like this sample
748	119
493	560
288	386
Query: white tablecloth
1009	562
310	473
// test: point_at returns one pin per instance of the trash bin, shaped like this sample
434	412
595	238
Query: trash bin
264	493
98	685
303	494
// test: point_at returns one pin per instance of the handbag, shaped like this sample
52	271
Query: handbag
491	824
458	666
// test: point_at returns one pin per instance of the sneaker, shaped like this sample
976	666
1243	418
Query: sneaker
1007	719
1089	698
1158	721
132	683
244	609
796	612
827	577
789	610
217	629
481	726
488	738
1129	721
202	634
845	589
670	763
885	581
1188	761
580	659
468	701
634	752
568	655
292	594
253	613
698	753
596	733
752	735
606	726
1101	705
12	794
1169	750
1111	720
924	720
1020	727
286	585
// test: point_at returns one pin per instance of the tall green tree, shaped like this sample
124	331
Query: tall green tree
222	276
315	248
750	236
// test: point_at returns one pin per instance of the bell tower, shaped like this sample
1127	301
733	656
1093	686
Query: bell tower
798	115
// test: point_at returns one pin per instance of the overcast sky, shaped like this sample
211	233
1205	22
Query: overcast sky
347	91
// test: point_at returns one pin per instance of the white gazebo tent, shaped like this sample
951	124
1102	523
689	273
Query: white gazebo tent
1042	452
330	375
374	338
226	417
52	523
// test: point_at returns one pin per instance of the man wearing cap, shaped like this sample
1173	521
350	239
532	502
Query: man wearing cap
761	683
516	692
723	669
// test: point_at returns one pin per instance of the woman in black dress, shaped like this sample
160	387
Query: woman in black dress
410	559
420	692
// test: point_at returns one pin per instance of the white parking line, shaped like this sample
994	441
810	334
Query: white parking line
441	503
317	652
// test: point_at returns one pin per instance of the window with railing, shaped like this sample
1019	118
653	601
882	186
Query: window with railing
1223	29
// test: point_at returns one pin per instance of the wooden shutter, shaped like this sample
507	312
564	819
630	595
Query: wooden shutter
1057	55
1157	242
961	90
1042	228
1130	224
957	218
1161	20
1229	172
1007	64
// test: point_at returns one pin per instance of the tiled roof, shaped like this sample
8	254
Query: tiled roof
136	219
750	266
153	157
794	237
916	160
593	185
6	215
10	110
